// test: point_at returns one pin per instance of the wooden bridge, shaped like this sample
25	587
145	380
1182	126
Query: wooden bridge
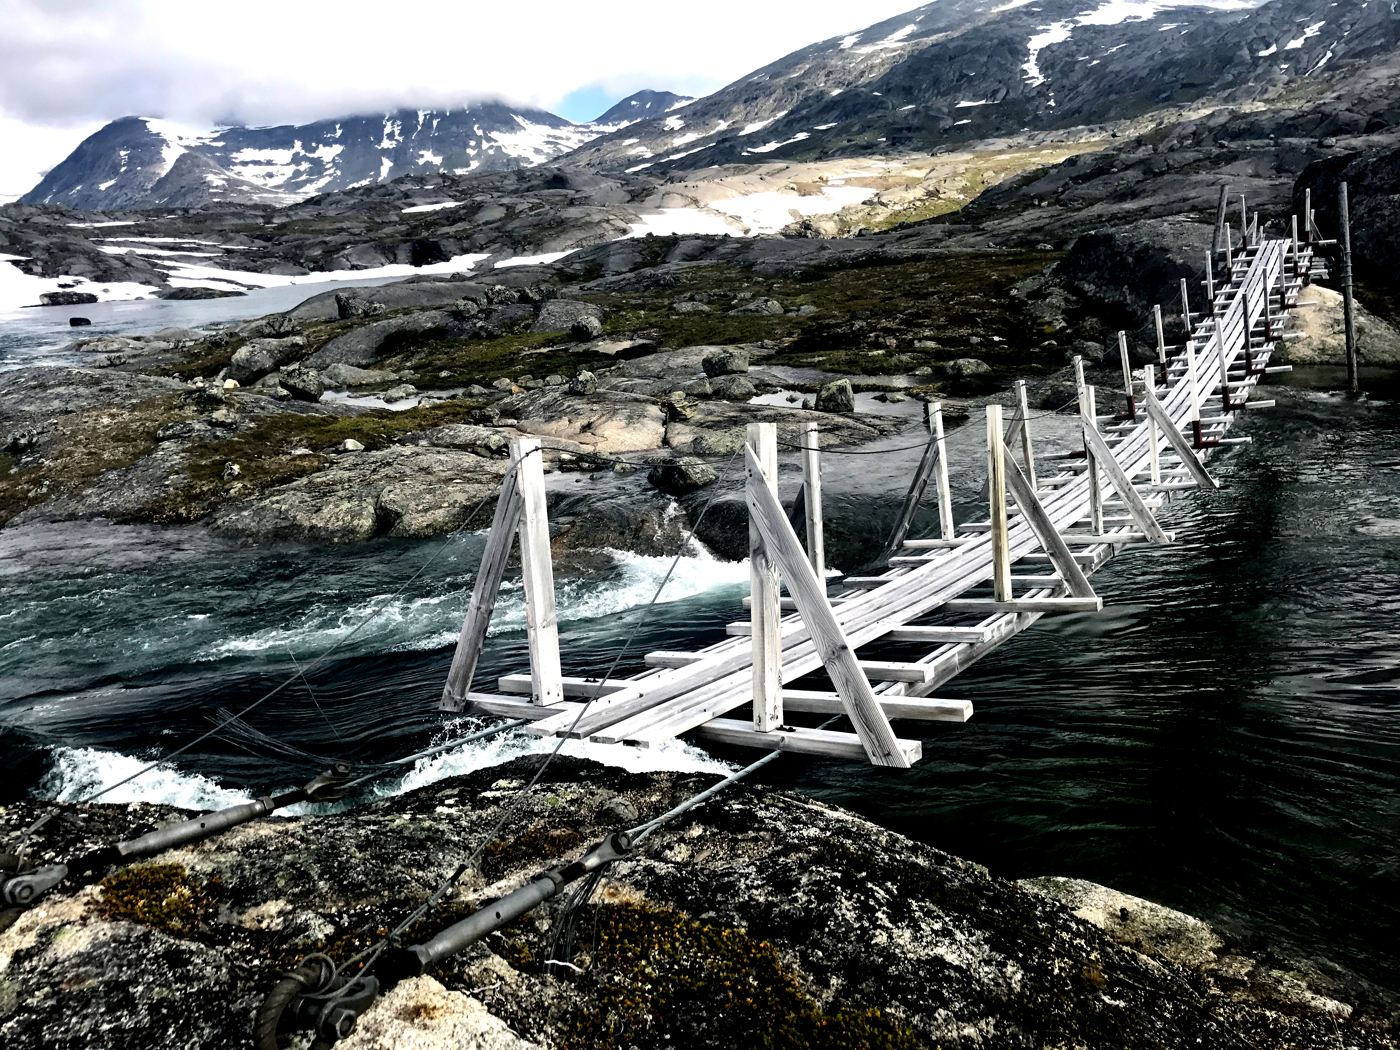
947	601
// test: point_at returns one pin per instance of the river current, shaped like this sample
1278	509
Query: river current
1223	738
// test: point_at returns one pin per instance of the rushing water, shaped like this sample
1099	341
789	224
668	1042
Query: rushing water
1222	738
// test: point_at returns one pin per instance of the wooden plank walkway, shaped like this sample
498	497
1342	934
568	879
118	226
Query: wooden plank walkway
1036	552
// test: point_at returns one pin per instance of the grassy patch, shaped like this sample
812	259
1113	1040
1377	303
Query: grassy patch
538	845
664	980
86	444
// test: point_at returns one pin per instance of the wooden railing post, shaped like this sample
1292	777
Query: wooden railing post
1161	337
812	501
940	471
1297	255
1185	313
1149	378
1210	278
1088	413
1348	309
1027	452
996	486
763	586
1127	375
537	572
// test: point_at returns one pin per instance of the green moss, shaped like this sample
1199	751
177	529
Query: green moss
536	846
159	895
664	980
263	454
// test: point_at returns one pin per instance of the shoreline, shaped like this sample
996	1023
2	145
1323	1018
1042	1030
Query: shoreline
876	939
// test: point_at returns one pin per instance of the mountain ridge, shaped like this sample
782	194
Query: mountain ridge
123	164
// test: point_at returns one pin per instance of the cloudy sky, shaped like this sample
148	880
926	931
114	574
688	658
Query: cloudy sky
69	66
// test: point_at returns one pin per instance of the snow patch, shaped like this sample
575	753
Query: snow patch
417	208
1308	33
534	260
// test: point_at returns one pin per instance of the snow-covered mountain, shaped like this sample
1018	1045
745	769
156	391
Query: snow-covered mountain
140	162
954	71
641	106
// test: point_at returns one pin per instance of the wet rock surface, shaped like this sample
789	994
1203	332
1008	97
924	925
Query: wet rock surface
764	918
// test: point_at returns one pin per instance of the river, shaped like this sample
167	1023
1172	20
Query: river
1224	737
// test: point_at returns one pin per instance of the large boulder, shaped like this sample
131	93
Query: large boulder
343	377
606	421
414	292
67	298
351	306
302	383
836	396
727	360
364	345
484	441
258	357
1324	339
963	367
760	307
679	476
560	315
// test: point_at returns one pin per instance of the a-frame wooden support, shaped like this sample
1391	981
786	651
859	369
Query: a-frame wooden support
858	700
520	509
933	465
1178	441
1130	496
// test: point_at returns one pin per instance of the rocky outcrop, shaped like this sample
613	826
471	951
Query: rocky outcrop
763	918
365	344
1324	330
560	315
605	422
406	490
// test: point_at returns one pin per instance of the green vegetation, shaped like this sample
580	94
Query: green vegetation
538	845
264	454
159	895
664	980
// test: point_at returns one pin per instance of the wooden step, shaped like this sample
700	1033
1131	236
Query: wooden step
804	741
919	709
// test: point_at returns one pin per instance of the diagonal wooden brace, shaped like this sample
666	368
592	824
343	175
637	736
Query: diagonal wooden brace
1049	536
1132	499
510	506
1178	441
927	463
857	698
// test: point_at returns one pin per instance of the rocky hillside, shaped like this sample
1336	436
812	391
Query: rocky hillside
763	919
950	73
137	162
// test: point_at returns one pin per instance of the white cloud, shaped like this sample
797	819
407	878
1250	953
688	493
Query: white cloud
67	66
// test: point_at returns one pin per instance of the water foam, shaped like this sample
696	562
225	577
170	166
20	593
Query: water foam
78	772
673	756
431	622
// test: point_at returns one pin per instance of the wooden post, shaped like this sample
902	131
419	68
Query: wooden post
1161	337
996	485
1244	224
1185	315
940	472
1297	255
812	481
484	592
1027	452
928	462
537	572
1149	377
1210	278
871	724
1220	218
1195	392
1088	414
763	585
1229	252
1308	215
1348	308
1127	375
